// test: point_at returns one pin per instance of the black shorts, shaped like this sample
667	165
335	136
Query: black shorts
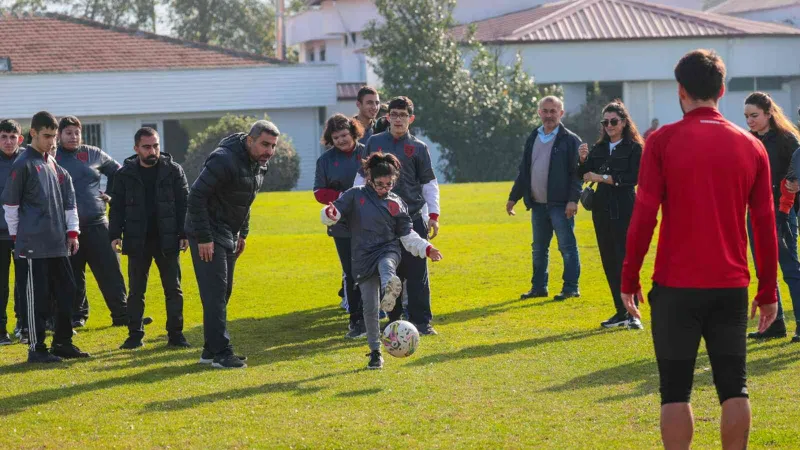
680	317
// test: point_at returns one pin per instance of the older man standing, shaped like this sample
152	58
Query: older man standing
548	183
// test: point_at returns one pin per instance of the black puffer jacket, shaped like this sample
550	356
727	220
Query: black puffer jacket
780	148
220	198
128	214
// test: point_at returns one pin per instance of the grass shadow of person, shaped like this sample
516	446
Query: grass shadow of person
491	309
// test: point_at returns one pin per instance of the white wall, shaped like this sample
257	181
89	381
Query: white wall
788	15
574	96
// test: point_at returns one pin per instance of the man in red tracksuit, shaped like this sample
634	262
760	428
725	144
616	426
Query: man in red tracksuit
704	172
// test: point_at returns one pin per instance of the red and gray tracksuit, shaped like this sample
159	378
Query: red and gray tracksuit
6	250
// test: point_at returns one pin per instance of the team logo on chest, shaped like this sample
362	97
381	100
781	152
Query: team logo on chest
336	164
362	201
83	156
409	150
394	208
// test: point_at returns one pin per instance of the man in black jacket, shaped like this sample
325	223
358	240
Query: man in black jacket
148	210
217	225
549	184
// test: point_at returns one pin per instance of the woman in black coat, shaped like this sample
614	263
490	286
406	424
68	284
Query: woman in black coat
613	164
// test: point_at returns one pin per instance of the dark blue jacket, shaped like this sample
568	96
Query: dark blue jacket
563	183
85	165
5	170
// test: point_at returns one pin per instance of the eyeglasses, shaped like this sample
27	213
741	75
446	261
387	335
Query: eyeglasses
403	116
613	122
380	185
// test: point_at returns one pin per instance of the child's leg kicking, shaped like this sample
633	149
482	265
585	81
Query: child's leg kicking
391	286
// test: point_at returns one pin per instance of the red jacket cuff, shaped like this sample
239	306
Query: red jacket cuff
787	199
72	234
14	237
326	196
630	286
428	250
434	216
767	298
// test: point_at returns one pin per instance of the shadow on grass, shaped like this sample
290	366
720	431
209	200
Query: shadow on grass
481	312
359	393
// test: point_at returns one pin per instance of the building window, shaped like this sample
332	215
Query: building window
322	53
92	134
769	83
345	39
750	84
353	38
310	54
747	84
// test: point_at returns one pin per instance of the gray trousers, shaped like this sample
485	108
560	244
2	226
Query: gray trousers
371	289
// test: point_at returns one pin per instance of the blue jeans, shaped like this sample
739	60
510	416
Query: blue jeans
546	219
790	266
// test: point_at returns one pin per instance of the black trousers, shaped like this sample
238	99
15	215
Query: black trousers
6	253
169	268
95	249
46	279
215	282
351	291
611	219
414	271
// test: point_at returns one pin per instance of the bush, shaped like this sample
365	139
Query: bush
284	167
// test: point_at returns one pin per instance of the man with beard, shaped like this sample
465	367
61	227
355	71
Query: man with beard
368	103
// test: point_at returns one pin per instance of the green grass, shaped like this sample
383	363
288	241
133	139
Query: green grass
503	373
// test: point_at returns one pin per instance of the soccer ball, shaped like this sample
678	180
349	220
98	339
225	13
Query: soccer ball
400	338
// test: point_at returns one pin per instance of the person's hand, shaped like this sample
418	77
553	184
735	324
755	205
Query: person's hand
793	186
206	251
588	177
330	211
183	244
116	244
510	208
768	314
72	245
435	255
240	246
583	152
105	197
433	228
572	210
630	304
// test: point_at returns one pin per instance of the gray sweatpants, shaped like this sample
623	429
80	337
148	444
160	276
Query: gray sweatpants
371	289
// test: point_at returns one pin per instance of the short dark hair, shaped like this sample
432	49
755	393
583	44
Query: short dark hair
263	126
402	102
69	121
43	119
702	74
10	126
144	131
339	122
366	90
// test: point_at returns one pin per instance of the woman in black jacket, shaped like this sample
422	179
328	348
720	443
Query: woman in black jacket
613	164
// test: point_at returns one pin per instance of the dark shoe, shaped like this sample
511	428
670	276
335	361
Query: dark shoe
147	320
23	336
534	294
382	315
375	360
426	330
43	357
228	362
5	339
635	324
796	338
80	323
358	330
617	320
68	351
776	330
178	340
565	295
118	322
207	357
132	343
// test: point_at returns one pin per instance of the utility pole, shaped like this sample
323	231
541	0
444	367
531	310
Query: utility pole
280	29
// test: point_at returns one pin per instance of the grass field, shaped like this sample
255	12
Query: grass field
503	373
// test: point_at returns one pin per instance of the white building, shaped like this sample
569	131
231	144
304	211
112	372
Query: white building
778	11
117	80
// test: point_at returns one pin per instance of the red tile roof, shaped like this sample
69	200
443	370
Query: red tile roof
348	91
585	20
58	43
740	6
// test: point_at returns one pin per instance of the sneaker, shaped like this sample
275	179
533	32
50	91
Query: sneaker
796	338
132	343
565	295
68	351
382	315
375	360
43	357
147	320
534	294
343	304
635	324
359	330
230	361
392	290
426	330
207	357
617	320
23	337
5	339
178	340
776	330
80	323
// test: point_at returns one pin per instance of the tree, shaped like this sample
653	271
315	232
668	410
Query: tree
586	122
480	114
284	167
138	14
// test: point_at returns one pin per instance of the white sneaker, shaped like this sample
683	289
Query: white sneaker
393	289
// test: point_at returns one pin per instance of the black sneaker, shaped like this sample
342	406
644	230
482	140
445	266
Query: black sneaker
375	360
207	357
426	330
132	343
359	330
796	338
68	351
534	294
228	362
635	324
5	339
178	340
147	320
617	320
565	295
43	357
776	330
80	323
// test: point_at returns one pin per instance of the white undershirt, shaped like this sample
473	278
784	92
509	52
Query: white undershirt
612	145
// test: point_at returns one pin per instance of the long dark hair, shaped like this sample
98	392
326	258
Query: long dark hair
381	165
778	120
630	131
